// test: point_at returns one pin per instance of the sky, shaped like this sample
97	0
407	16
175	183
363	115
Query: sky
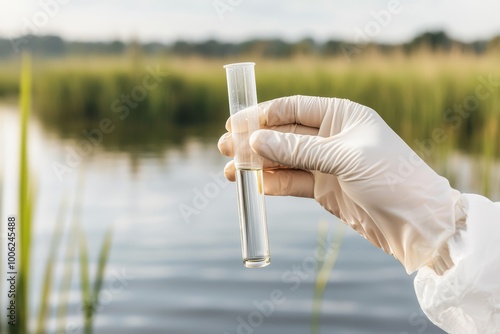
390	21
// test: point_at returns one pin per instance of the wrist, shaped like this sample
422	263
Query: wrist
442	260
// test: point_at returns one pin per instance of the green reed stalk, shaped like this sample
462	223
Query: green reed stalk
26	203
324	267
90	297
43	313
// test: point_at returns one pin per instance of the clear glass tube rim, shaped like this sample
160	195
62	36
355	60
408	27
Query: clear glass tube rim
237	65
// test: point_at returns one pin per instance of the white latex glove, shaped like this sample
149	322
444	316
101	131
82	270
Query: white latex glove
466	298
346	157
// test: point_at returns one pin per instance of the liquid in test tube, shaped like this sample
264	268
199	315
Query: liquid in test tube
249	178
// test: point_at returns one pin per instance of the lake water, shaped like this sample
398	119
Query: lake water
182	274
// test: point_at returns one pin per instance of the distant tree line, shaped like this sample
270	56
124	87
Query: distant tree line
54	46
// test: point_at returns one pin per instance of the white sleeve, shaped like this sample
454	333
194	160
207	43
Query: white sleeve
466	298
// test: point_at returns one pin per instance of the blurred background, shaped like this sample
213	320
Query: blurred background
109	117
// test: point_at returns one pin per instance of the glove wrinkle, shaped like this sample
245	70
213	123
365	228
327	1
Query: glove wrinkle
345	156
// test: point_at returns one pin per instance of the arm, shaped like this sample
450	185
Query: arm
346	157
466	298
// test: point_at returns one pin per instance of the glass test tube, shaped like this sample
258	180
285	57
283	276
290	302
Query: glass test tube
249	179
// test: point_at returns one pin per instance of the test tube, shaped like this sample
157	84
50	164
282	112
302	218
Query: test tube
249	178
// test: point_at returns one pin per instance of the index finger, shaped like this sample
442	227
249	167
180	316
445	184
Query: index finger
299	109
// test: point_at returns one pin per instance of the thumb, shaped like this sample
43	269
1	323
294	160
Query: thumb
295	151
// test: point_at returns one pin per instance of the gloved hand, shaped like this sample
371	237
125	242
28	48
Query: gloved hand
346	157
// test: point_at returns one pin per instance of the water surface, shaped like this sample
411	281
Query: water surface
175	272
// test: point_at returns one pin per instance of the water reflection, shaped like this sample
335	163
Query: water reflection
468	172
186	276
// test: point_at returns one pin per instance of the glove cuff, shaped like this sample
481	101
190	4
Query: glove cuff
441	261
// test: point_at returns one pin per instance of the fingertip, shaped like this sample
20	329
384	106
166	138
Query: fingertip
225	144
228	124
230	171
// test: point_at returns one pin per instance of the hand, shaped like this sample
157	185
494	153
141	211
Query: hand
347	158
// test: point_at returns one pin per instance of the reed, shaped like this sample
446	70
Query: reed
413	94
43	313
24	239
90	296
26	204
327	258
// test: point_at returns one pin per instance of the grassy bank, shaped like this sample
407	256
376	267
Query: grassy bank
414	95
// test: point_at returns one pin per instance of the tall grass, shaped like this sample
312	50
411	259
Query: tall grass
90	296
24	241
411	93
328	254
9	78
26	204
67	276
43	313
